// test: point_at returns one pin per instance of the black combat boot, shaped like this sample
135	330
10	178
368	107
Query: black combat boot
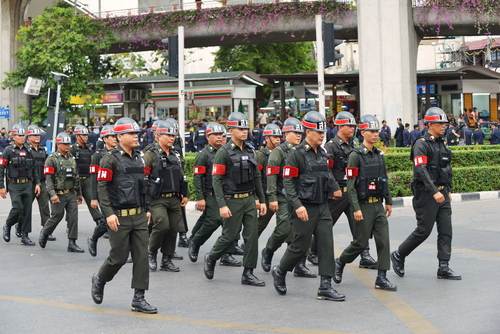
167	264
42	240
25	240
73	247
139	304
177	256
445	272
326	292
6	233
313	258
301	270
228	260
97	291
267	257
248	278
239	250
339	270
383	283
183	241
152	259
398	263
19	233
209	266
193	251
92	244
279	280
367	261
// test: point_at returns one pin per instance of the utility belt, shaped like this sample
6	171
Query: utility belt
421	186
25	180
344	189
64	191
83	177
244	195
127	212
371	200
168	195
209	193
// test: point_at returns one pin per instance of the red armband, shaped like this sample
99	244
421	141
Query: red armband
272	170
420	160
260	167
351	172
331	163
93	169
147	171
198	170
3	162
104	174
48	170
219	170
289	171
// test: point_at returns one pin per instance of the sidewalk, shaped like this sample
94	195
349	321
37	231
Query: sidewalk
400	202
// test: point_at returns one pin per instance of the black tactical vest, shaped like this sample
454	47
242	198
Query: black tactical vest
280	188
168	169
207	178
263	171
39	156
83	156
21	164
340	156
241	172
438	163
371	180
125	189
314	185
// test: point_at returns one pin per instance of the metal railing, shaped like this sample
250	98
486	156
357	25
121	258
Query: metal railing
192	6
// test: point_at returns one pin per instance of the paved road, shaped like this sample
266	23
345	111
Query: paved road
48	290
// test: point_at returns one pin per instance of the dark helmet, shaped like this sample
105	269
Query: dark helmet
272	130
155	125
313	120
237	120
435	115
292	125
369	122
165	128
107	130
344	118
33	130
278	123
63	138
81	130
214	128
124	125
174	122
18	130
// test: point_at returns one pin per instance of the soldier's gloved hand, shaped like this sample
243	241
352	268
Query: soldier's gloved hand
3	192
201	205
439	197
302	214
273	206
388	210
113	222
55	199
337	194
94	203
225	212
37	191
79	199
184	201
263	209
358	215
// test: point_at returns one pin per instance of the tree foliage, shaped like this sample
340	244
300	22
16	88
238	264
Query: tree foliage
266	58
60	41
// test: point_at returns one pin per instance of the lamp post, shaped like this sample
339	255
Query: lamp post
60	78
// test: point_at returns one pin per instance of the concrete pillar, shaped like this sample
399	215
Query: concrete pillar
5	54
388	46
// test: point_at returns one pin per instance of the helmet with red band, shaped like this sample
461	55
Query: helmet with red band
33	130
214	128
237	120
81	130
63	138
18	130
166	128
272	130
435	115
369	122
107	130
125	125
344	118
313	120
292	125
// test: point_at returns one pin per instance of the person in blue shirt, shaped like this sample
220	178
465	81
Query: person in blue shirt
478	136
406	135
415	134
385	133
468	135
495	135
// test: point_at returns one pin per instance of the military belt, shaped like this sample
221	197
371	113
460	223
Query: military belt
19	180
344	189
63	192
245	195
128	212
441	188
209	193
168	195
83	177
371	200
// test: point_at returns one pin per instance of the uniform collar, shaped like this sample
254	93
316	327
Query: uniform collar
365	150
210	148
288	144
430	137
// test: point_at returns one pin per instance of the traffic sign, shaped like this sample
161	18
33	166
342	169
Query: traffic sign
4	113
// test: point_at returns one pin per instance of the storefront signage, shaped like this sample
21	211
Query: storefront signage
205	94
112	98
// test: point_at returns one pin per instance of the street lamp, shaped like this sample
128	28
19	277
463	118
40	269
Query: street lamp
60	78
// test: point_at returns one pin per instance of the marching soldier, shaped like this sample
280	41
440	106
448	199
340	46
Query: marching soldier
121	192
432	197
169	194
339	148
367	187
308	186
17	166
63	185
238	190
109	139
293	130
82	152
210	219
